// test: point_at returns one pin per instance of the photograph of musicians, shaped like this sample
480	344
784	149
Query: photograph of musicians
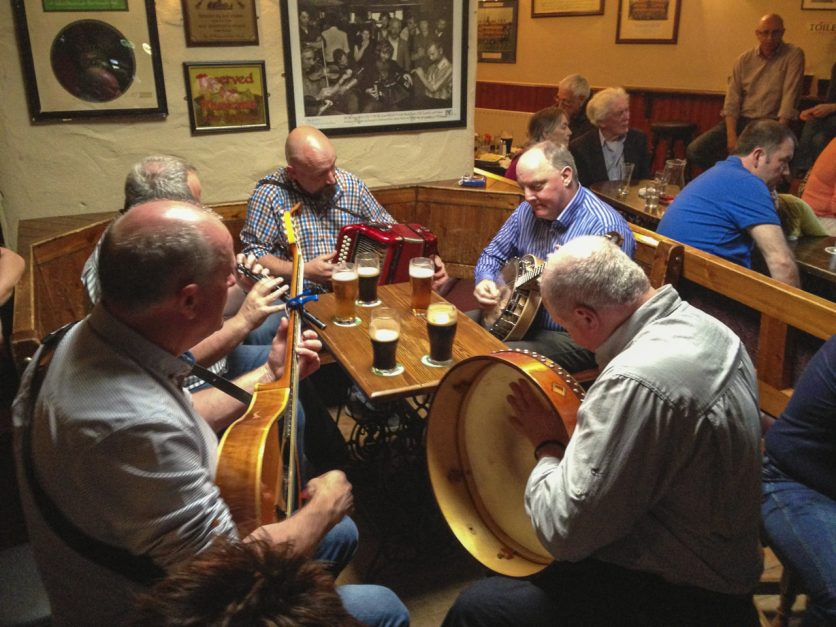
556	210
652	509
330	198
125	456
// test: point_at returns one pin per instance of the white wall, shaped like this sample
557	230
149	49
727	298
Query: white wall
79	167
712	33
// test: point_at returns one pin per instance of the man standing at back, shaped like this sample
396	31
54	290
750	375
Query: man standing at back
765	83
572	94
728	209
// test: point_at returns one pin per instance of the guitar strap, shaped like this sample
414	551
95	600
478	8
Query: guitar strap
224	385
140	569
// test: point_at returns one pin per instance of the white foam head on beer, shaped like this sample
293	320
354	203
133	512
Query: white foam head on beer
368	271
439	318
384	334
344	275
420	272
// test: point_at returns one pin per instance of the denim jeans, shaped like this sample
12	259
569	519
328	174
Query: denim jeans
371	605
800	526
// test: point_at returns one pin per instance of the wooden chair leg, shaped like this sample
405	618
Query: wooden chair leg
790	588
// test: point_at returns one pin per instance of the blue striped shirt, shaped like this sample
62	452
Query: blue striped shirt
525	234
316	227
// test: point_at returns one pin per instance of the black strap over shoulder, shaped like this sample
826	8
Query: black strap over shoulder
138	568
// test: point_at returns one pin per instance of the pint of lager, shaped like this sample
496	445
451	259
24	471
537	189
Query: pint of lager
421	270
441	329
368	269
384	331
344	281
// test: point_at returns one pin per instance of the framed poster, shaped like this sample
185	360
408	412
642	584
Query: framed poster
220	23
497	31
90	58
818	5
564	8
647	21
226	97
351	69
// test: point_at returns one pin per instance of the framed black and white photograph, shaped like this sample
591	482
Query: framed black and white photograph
370	67
497	31
226	97
647	21
86	59
818	5
566	8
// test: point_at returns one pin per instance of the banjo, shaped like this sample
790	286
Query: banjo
519	296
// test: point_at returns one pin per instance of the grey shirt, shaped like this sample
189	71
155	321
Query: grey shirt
120	451
662	473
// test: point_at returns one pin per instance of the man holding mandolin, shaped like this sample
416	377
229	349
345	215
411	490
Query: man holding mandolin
556	209
651	510
117	462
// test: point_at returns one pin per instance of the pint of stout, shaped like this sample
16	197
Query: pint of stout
441	328
421	270
344	282
368	269
384	331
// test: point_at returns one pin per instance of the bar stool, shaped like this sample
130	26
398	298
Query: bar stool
671	132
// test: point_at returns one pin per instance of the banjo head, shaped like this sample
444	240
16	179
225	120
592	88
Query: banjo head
478	464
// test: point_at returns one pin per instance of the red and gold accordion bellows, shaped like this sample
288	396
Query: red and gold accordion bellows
395	244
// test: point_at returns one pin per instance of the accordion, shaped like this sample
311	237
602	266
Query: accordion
395	244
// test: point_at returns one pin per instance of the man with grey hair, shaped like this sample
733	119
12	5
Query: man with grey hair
161	176
651	509
765	83
601	156
556	210
728	209
572	94
117	462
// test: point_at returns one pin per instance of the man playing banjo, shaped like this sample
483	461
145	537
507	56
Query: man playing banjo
652	508
556	209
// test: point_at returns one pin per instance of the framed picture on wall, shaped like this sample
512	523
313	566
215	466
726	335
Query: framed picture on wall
564	8
818	5
220	23
226	97
497	31
647	21
86	59
394	67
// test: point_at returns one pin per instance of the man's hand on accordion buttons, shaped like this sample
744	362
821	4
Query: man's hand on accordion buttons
319	269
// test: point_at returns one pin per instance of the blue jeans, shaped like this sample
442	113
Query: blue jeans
800	526
371	605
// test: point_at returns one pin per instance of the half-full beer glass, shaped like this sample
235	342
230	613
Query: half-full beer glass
421	270
384	331
344	281
368	269
442	319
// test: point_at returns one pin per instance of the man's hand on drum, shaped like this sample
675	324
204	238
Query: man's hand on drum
486	293
531	417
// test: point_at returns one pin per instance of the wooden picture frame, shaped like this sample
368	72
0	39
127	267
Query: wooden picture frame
566	8
227	97
220	23
818	5
496	38
366	96
90	59
647	21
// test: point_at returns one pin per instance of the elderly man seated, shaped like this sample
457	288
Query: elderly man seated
601	156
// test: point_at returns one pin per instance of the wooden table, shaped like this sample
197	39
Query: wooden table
352	348
630	206
817	265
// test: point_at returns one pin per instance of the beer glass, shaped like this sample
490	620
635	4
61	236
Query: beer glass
344	282
626	175
384	331
441	328
368	271
421	270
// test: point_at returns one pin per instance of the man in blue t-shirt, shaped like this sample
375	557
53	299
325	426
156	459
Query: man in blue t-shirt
728	208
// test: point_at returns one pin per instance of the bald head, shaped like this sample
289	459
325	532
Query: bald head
770	33
156	248
311	159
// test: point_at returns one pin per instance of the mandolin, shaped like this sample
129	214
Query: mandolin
250	472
